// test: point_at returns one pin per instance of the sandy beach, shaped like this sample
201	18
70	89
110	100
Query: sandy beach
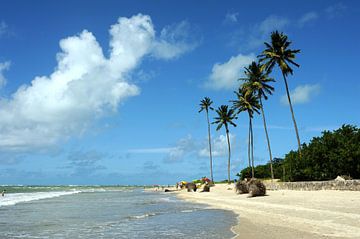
287	213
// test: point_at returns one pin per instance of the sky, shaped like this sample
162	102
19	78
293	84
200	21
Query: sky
108	92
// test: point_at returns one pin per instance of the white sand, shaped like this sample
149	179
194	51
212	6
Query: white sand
286	213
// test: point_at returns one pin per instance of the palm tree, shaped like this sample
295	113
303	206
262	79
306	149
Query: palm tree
278	52
225	117
205	104
257	80
247	101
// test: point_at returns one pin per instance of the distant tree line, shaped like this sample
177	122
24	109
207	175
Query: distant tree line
324	158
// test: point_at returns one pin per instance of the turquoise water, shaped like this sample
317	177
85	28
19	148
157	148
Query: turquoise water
107	212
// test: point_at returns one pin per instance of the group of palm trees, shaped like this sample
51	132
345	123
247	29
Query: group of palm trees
255	87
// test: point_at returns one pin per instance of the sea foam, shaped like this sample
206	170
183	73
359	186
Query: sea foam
14	198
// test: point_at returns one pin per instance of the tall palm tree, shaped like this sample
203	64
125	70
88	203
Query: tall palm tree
278	53
205	104
225	117
257	80
247	101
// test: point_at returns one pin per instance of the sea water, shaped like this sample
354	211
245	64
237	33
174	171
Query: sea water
107	212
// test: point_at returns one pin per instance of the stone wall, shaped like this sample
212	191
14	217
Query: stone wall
350	185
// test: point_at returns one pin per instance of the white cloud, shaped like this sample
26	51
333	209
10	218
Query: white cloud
3	66
226	75
151	150
174	41
84	86
335	10
302	94
3	28
231	17
272	23
253	37
307	17
219	146
183	147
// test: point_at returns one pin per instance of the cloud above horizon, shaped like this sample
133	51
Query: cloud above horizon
219	147
3	67
302	94
224	76
231	17
3	28
307	17
85	85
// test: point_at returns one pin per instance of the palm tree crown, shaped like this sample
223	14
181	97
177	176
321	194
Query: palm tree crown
246	101
205	104
257	79
277	52
225	117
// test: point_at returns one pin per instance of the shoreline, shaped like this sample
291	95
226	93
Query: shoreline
286	213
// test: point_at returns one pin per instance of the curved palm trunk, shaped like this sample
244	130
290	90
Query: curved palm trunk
252	149
267	138
209	138
293	116
229	152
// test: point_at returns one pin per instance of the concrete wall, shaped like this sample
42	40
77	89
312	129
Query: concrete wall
350	185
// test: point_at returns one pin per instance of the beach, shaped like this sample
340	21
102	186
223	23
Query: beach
287	213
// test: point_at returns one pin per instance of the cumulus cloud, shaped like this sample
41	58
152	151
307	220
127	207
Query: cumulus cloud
3	66
302	94
219	146
84	86
174	41
225	75
306	18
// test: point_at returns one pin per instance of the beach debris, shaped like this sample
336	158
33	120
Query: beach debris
339	178
256	188
206	188
191	187
242	187
343	178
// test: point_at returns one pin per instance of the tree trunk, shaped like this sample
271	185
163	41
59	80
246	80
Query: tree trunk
293	116
229	152
267	137
252	148
249	142
209	138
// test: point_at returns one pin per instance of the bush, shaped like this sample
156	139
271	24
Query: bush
324	158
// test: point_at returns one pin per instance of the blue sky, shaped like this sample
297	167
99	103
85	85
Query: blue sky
108	93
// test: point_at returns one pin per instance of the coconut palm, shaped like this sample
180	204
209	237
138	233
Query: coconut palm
205	104
257	79
224	118
278	53
247	101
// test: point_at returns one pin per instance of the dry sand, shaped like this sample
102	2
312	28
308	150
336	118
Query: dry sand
286	213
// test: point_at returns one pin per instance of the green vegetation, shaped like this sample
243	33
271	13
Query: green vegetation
324	158
225	117
205	104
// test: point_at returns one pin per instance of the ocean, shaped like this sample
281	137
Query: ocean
106	212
